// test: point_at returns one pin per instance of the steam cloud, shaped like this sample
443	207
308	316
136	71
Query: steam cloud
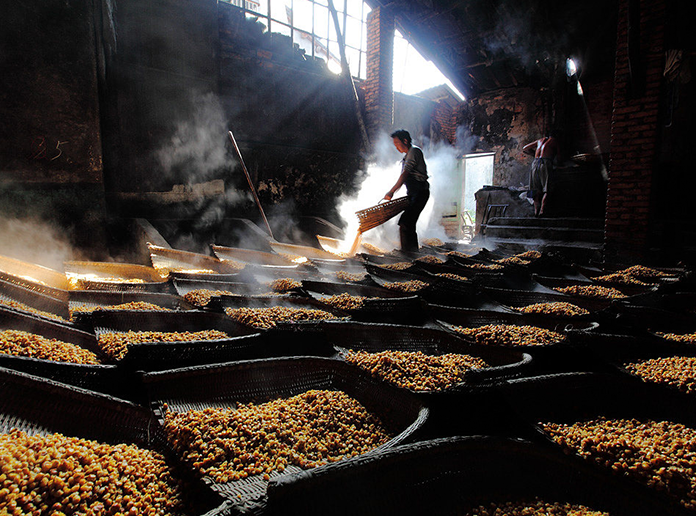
441	159
198	145
36	241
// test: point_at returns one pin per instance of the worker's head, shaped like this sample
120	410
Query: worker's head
402	140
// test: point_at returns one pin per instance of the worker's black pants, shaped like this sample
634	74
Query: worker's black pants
407	222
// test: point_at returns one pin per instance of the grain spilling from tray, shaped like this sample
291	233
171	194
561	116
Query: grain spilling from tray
61	475
307	430
21	306
268	317
511	335
560	309
373	249
406	286
25	344
115	344
679	372
536	507
416	370
591	291
435	242
660	454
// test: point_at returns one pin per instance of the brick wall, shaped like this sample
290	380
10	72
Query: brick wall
379	96
634	129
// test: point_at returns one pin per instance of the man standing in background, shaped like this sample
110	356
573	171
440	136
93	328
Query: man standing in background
544	151
414	174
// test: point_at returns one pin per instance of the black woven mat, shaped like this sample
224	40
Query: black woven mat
263	380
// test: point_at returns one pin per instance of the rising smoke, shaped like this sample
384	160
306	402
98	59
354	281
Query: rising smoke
36	241
383	172
197	151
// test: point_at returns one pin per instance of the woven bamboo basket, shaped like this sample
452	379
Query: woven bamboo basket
380	213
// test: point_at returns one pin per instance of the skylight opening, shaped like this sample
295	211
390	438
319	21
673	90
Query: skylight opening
413	73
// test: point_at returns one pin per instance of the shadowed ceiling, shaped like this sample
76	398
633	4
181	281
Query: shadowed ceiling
484	45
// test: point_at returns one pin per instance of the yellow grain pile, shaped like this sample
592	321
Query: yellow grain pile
345	301
307	430
268	317
414	369
511	335
660	454
451	276
21	306
559	309
202	296
25	344
406	286
284	284
679	372
350	277
687	338
115	345
61	476
591	291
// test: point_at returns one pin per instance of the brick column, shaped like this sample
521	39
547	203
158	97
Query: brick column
634	126
379	93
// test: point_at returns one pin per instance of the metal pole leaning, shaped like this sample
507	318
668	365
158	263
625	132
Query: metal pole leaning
251	185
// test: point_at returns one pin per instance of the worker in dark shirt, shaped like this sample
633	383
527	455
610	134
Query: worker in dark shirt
544	151
414	174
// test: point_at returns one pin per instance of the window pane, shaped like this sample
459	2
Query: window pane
353	60
302	15
334	63
304	40
352	32
363	66
321	2
321	21
280	28
257	6
355	8
281	10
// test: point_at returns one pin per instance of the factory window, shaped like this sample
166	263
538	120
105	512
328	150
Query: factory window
412	72
310	27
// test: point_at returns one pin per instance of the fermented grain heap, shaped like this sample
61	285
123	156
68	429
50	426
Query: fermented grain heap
406	286
133	305
657	453
415	369
558	309
61	475
115	344
591	291
21	306
679	372
306	430
269	317
345	301
25	344
511	335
